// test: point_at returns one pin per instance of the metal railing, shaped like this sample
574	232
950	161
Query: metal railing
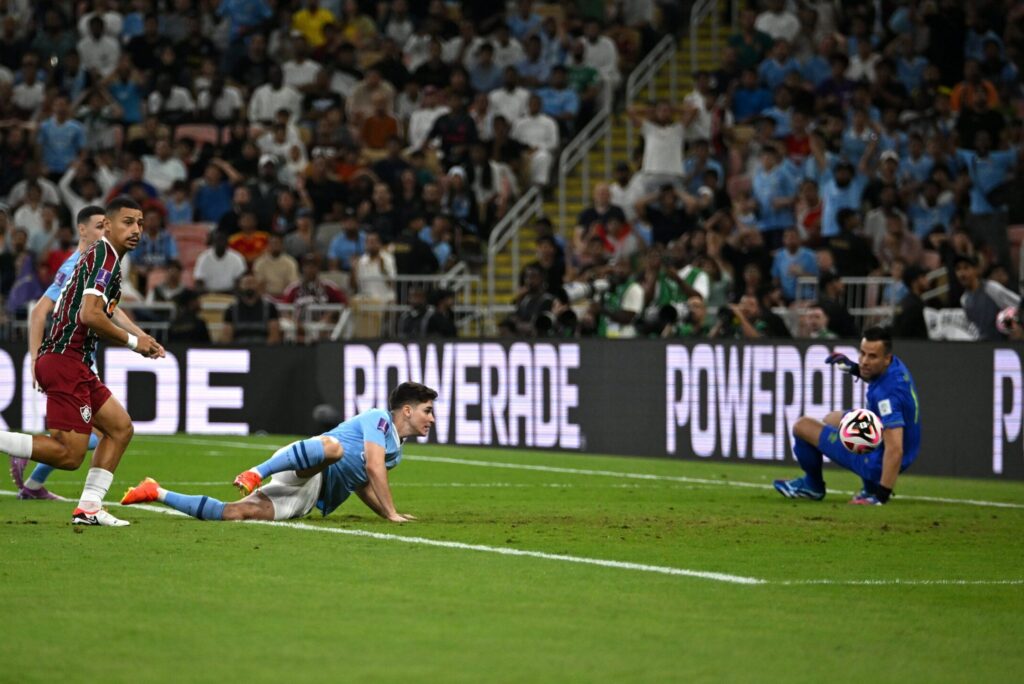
643	76
701	10
871	300
380	318
507	231
578	150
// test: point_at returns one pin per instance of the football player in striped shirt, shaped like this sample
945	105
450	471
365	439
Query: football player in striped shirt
76	400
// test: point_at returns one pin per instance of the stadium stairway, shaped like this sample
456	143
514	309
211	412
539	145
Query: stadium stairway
505	279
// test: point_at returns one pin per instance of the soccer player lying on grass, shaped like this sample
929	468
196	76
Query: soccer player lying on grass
320	472
893	398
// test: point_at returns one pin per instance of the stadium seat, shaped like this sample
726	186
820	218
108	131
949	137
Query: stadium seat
340	278
211	309
191	239
325	232
155	278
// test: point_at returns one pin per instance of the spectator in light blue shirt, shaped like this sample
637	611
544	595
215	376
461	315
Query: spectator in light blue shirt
857	136
347	246
697	162
525	22
560	102
749	99
126	92
773	71
534	72
244	15
484	74
988	169
156	246
774	189
781	112
60	138
841	188
916	166
933	208
790	263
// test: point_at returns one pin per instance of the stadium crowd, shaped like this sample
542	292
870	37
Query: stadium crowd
835	141
307	152
321	146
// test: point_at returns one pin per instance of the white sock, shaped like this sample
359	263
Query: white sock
32	484
161	494
16	444
97	482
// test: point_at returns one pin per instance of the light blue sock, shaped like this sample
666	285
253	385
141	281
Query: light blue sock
42	471
295	456
810	460
202	507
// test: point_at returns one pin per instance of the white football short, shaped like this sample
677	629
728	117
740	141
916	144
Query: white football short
292	496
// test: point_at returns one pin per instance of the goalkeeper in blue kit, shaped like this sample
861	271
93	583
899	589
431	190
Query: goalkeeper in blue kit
320	472
893	398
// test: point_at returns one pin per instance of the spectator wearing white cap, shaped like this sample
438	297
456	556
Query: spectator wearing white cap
539	132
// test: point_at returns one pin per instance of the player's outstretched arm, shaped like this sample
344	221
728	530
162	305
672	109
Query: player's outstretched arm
892	458
125	322
377	473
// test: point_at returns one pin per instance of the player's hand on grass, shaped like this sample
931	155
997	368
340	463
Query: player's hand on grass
399	518
408	516
843	363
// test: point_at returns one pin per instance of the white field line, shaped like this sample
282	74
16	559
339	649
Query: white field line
502	550
583	560
610	473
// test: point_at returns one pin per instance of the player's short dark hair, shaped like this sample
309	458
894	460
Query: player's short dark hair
413	393
123	202
877	333
87	213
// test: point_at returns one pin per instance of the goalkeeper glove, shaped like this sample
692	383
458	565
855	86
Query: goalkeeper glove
879	498
843	363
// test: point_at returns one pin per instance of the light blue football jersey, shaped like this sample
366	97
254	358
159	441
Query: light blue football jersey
345	476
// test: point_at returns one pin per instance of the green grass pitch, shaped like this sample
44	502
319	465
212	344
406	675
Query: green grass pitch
905	592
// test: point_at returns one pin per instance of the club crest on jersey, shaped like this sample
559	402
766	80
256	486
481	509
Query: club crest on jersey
383	425
86	412
103	277
885	407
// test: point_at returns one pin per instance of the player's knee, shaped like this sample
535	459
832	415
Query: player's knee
333	450
72	458
233	511
803	427
122	432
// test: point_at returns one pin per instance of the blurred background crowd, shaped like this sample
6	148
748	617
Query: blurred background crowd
300	156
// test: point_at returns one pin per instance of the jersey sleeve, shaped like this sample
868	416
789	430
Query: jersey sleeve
889	407
99	271
375	426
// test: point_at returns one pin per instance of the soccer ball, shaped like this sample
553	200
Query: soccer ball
1005	318
860	431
